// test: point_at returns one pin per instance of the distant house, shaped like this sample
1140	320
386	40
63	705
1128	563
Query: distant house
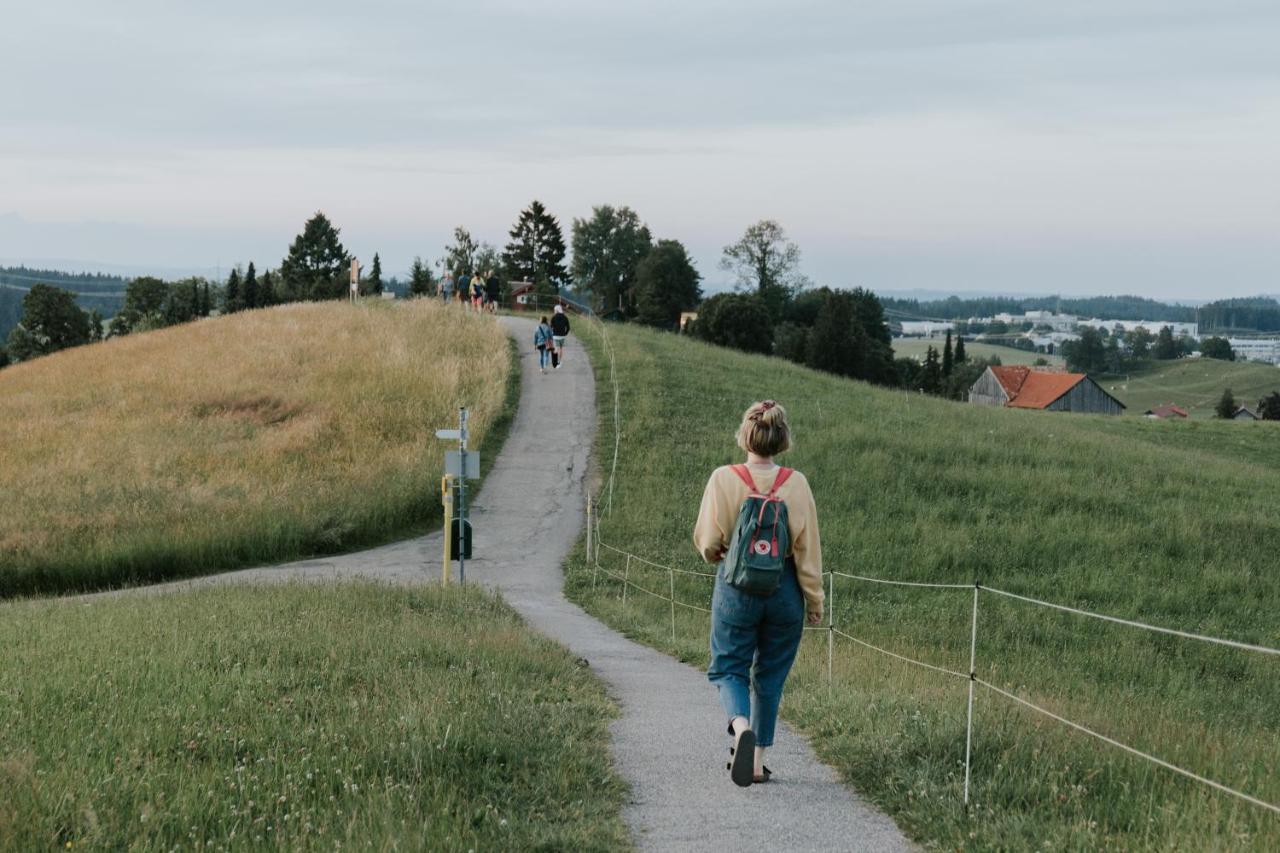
1169	411
1020	387
1244	414
520	291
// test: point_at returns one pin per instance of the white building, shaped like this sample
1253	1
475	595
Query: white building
1256	349
925	328
1189	330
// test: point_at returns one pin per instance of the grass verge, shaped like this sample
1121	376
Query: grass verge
1168	523
258	437
302	717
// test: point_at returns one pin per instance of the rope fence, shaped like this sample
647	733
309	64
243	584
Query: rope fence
595	544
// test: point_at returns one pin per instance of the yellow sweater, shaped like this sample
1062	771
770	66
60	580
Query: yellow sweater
722	501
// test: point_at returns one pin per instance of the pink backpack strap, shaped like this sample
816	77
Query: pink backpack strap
783	475
745	474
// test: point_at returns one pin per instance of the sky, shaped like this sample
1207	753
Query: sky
1127	146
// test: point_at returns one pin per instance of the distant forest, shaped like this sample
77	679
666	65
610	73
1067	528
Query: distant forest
1106	307
93	290
1256	314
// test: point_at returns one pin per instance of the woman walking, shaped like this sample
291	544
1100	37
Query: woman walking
542	342
759	522
559	331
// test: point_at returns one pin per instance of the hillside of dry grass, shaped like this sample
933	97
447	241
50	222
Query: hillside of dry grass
260	436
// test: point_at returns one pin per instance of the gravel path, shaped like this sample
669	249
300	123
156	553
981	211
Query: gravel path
669	744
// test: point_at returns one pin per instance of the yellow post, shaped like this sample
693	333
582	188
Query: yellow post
446	495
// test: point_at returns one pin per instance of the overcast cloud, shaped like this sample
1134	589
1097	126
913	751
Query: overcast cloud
1027	146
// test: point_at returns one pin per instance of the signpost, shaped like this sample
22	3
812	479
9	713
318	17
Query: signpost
459	466
355	279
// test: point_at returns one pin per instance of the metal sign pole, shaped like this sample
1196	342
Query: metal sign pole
462	494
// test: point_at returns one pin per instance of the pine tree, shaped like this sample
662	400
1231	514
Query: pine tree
206	301
232	301
266	290
249	290
316	266
961	357
931	374
948	357
1269	407
373	284
536	251
1226	407
420	279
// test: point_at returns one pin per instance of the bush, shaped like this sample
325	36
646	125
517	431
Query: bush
790	341
738	320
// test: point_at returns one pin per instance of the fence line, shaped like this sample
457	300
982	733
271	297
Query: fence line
1266	650
904	583
1153	759
971	677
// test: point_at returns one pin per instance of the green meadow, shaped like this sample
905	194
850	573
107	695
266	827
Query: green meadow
301	718
1195	384
1168	523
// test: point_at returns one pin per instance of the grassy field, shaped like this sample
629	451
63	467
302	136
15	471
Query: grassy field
298	717
1195	384
1172	523
260	436
916	347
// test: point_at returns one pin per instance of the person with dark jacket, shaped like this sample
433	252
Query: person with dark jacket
492	292
559	331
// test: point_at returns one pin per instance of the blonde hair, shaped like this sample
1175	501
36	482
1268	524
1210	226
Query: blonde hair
764	430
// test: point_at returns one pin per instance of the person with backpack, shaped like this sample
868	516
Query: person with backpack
559	331
760	523
542	342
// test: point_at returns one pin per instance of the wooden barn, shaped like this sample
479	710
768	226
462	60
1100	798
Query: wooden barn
1020	387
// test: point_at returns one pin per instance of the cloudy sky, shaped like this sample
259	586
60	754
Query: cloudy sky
1023	146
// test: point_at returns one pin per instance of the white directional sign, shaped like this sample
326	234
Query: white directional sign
454	434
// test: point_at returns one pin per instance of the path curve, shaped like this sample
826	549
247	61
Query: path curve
669	742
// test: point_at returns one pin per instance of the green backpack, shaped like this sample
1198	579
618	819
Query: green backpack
757	552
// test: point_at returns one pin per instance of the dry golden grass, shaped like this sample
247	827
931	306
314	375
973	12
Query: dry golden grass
258	436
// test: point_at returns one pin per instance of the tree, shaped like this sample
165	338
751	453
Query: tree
836	343
316	266
373	284
1139	342
421	282
488	259
948	356
249	289
266	290
97	330
232	300
51	321
961	356
536	251
460	255
1219	348
738	320
4	356
666	283
791	341
766	261
931	372
206	301
607	251
1269	407
1166	347
1087	355
1226	407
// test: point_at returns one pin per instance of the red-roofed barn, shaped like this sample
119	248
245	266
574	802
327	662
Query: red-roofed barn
1020	387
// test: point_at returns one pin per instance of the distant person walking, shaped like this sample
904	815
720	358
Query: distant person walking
760	523
542	343
559	331
492	291
477	293
446	288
